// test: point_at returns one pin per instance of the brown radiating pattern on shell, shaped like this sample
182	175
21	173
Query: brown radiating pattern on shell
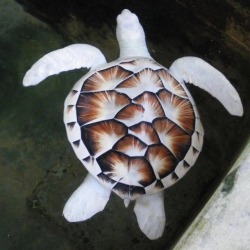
171	84
128	170
185	164
137	125
145	132
145	80
128	190
102	105
69	108
76	143
73	92
178	109
161	159
131	146
175	176
173	137
71	125
159	185
100	137
151	105
113	161
105	178
106	79
130	114
195	151
144	169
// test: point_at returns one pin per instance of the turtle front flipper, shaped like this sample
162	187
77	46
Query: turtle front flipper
88	199
150	213
71	57
198	72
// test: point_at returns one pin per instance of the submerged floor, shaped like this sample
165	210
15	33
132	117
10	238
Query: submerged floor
39	170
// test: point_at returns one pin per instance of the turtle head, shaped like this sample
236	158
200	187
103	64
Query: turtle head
130	36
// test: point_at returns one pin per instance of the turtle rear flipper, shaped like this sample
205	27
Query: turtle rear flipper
200	73
75	56
150	213
88	199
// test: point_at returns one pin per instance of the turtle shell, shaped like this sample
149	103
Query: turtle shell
133	126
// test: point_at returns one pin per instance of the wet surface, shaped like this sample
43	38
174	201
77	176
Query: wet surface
39	170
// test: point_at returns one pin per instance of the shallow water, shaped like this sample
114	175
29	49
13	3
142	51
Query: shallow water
38	168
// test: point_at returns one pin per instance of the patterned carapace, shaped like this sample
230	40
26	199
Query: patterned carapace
139	129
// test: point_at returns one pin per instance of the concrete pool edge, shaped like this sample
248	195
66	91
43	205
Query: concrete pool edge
225	220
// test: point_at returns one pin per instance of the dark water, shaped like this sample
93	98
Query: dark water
38	169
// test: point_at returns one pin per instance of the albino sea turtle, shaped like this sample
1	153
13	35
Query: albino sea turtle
131	122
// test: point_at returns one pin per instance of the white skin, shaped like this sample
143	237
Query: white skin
91	197
130	36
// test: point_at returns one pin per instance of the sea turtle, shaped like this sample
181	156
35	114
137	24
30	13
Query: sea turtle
131	122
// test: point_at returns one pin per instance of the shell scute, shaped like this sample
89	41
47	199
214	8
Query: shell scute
106	79
171	84
145	132
151	105
127	170
161	159
145	80
173	137
124	190
99	106
178	109
102	136
131	146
